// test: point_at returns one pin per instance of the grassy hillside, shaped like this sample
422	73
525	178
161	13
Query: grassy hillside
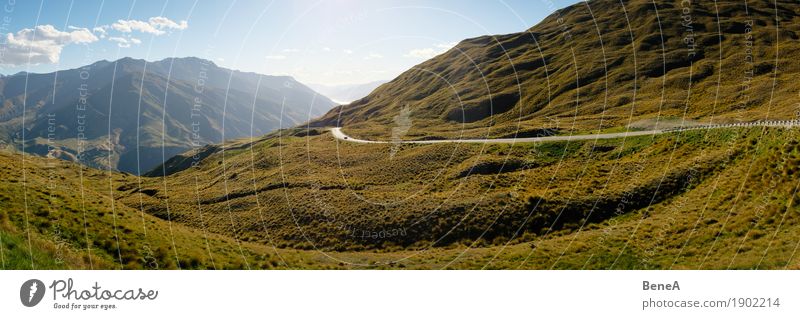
66	217
701	199
702	195
595	65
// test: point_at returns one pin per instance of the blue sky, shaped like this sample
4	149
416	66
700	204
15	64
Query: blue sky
328	42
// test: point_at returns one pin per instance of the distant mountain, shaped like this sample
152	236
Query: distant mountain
133	114
346	93
595	65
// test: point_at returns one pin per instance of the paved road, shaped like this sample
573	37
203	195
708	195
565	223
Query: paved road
337	133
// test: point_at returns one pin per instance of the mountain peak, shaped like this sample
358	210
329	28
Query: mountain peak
189	60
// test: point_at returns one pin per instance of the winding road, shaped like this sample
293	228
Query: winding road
338	134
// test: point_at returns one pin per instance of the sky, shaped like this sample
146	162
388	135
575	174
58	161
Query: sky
332	42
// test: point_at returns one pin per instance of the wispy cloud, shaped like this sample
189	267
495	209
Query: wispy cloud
154	25
275	57
100	31
373	56
42	44
427	53
121	42
163	23
125	42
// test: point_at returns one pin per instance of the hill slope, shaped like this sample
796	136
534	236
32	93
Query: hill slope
305	190
129	111
596	65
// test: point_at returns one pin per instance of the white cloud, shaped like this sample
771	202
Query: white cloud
101	31
125	43
154	25
121	42
347	51
427	53
373	56
50	33
290	50
275	57
162	23
326	49
128	26
42	44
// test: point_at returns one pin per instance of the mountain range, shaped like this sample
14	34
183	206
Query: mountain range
130	114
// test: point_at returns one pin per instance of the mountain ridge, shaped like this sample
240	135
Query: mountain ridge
591	66
191	98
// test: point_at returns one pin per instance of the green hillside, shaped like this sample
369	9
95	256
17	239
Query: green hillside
705	194
596	65
702	199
